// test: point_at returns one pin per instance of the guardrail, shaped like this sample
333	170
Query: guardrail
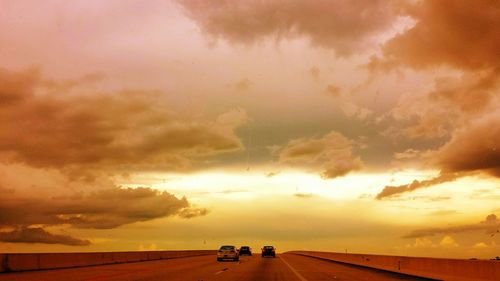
434	268
39	261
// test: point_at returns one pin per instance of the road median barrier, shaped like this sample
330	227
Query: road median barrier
15	262
434	268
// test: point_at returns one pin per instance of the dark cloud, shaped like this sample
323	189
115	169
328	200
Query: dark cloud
466	110
103	130
473	148
331	153
101	209
395	190
346	26
490	225
39	235
462	34
46	125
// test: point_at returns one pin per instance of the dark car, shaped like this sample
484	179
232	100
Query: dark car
245	250
268	251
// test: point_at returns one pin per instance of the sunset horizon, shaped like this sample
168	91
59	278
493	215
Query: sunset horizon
339	126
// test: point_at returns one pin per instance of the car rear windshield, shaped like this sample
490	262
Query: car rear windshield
245	248
268	247
227	248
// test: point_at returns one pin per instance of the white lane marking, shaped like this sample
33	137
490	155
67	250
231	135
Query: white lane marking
301	278
220	271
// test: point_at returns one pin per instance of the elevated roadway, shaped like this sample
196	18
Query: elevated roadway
290	267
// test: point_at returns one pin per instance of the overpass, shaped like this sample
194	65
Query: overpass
202	265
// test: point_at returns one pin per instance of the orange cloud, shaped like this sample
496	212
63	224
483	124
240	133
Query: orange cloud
130	128
490	225
473	148
331	153
101	209
39	235
394	190
460	34
345	26
463	108
471	93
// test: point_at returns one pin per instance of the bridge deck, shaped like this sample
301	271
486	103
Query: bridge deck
285	267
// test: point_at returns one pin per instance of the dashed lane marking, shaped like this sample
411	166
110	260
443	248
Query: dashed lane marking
220	271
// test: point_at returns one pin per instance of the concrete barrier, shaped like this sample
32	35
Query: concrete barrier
25	262
435	268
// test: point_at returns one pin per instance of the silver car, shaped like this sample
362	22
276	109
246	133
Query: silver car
228	252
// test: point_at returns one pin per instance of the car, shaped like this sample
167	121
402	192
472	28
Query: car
268	251
228	252
245	250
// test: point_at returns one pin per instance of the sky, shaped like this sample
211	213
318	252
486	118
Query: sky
347	126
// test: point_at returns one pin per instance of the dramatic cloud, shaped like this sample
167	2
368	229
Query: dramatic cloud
345	26
394	190
465	37
490	226
39	235
101	209
122	129
473	148
461	34
332	153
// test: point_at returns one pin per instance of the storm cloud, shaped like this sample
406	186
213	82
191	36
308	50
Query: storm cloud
346	26
460	34
102	209
103	130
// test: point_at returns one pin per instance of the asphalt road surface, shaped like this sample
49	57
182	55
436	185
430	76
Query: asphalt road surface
255	268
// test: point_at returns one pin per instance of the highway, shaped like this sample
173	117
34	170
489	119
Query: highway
204	268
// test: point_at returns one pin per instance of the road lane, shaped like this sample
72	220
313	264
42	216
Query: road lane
322	270
287	267
256	268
